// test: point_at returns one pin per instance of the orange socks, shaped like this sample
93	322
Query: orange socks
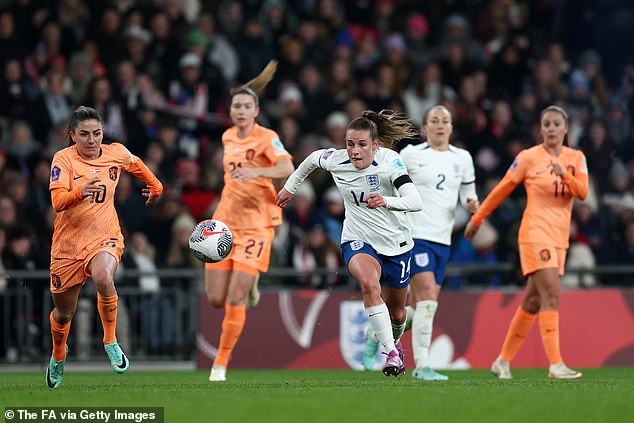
232	324
518	329
59	333
107	307
549	329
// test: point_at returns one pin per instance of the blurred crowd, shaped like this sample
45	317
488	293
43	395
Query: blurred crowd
160	72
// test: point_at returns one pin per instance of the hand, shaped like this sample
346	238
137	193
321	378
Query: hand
375	201
283	197
244	174
147	193
557	169
91	187
472	205
470	230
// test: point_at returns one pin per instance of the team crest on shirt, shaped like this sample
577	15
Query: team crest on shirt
544	254
56	281
456	169
113	172
55	172
373	182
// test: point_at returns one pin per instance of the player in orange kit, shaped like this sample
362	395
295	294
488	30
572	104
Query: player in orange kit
253	156
87	239
553	175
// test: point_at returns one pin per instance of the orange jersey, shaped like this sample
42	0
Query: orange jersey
250	204
83	224
549	198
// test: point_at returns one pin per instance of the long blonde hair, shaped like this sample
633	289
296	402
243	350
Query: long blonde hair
387	125
256	86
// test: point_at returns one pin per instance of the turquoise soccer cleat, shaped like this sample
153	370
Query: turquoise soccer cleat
55	372
118	359
428	374
370	348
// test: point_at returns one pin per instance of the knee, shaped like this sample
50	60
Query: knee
102	277
215	302
370	288
398	316
63	317
531	304
551	302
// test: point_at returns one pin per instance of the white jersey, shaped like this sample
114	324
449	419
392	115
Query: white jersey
441	178
384	228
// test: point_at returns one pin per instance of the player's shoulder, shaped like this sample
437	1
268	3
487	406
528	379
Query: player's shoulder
65	153
390	159
413	149
262	132
116	150
531	153
333	156
114	147
572	152
229	133
460	152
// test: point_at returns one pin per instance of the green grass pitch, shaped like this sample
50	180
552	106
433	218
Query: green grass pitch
303	396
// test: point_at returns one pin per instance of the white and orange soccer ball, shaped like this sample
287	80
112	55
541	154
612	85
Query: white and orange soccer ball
211	241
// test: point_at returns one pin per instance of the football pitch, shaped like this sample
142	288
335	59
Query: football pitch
303	396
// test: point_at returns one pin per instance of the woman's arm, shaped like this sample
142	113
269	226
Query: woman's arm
141	171
502	190
281	169
408	201
300	174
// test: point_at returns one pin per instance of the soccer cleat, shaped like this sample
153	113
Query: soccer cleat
253	297
370	348
427	373
393	365
218	373
561	371
501	369
55	372
118	359
401	355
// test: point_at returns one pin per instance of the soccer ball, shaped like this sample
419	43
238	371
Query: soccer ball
211	241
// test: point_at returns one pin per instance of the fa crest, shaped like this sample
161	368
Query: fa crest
456	169
112	172
373	182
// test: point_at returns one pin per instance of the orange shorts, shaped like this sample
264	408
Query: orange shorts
68	272
534	257
251	252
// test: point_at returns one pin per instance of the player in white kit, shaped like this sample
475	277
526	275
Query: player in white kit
443	175
376	241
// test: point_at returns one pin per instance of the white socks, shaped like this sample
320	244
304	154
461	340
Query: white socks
379	318
397	330
421	331
409	313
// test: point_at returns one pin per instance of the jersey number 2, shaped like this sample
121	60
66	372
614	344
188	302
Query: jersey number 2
441	180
